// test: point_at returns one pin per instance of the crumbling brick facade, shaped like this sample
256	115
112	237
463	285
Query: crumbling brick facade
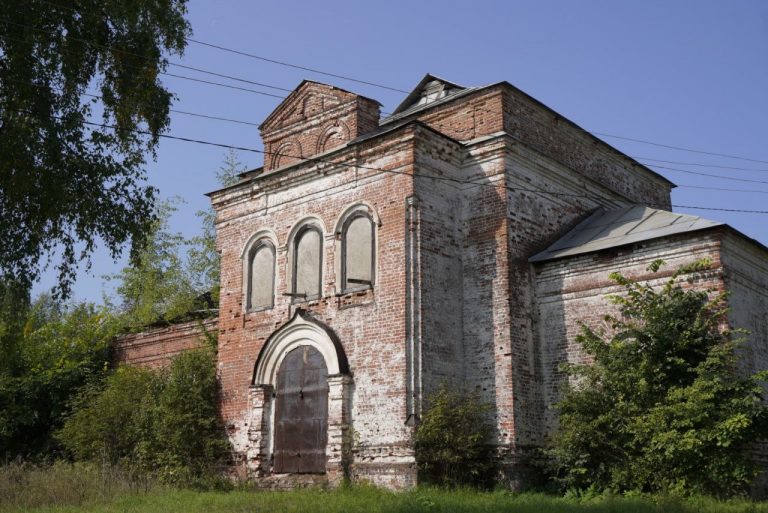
156	347
462	187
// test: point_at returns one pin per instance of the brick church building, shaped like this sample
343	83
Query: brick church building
460	240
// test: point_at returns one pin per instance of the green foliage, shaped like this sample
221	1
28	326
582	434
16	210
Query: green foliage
109	421
66	185
663	407
56	351
157	286
50	350
14	307
162	423
204	260
163	284
452	440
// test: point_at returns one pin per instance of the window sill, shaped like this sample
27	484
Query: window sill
310	299
357	290
259	309
355	298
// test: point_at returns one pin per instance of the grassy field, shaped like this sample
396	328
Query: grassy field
81	489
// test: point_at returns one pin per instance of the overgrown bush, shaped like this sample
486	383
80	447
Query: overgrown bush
663	408
47	352
452	441
163	422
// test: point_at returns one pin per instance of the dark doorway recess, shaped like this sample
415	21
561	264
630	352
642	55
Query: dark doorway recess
301	413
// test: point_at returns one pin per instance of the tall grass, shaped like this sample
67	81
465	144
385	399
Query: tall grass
81	488
24	485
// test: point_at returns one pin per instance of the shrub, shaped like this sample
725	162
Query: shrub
663	407
109	422
48	352
452	440
163	423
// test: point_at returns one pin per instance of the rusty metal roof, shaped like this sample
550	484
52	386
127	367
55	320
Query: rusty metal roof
611	228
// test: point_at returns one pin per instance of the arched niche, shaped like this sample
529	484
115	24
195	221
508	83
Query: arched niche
289	152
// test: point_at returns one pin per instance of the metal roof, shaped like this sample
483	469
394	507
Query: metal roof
611	228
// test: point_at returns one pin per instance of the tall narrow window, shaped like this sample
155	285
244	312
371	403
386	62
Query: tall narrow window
357	250
307	259
261	276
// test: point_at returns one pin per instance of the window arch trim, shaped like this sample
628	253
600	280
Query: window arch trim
262	244
255	242
358	206
299	230
353	211
345	287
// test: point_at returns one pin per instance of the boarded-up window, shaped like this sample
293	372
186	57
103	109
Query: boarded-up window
306	264
357	244
261	276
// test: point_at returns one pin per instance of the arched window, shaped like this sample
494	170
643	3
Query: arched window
260	276
307	263
357	248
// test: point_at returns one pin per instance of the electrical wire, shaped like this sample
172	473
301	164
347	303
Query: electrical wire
374	84
295	66
219	84
391	171
603	134
201	70
681	186
736	179
195	114
701	164
723	209
246	54
176	111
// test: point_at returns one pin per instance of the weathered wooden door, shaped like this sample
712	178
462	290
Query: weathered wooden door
301	412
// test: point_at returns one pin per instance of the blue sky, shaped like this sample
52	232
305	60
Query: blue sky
692	74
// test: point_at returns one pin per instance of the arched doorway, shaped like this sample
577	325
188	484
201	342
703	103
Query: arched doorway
301	413
300	402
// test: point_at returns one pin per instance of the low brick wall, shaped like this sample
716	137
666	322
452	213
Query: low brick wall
156	347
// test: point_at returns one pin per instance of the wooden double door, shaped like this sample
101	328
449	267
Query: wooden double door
301	413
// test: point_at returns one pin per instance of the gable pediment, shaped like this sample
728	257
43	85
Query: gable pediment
428	90
307	100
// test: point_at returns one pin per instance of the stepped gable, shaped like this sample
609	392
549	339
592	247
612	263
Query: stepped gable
314	119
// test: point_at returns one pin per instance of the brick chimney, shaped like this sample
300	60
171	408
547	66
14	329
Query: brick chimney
314	119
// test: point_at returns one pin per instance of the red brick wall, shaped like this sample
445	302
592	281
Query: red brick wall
573	290
157	347
465	119
745	267
370	324
454	299
506	108
315	118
